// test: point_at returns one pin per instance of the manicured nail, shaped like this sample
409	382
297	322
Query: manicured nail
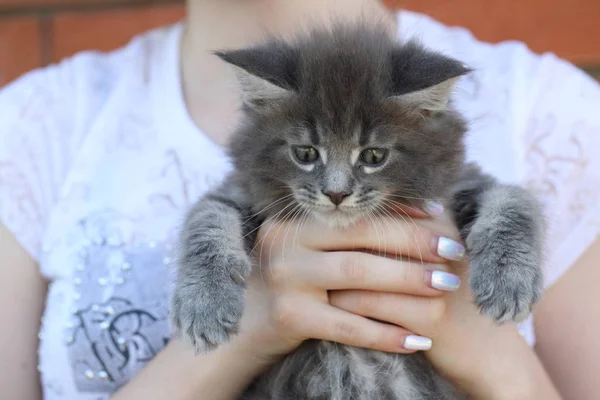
434	207
449	249
414	342
444	281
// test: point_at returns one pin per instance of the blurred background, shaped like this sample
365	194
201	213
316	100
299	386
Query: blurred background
39	32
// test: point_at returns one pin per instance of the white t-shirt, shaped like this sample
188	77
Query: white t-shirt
99	159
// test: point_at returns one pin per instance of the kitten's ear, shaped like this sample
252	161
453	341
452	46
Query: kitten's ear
266	73
423	80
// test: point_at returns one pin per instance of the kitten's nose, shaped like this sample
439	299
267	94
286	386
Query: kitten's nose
336	197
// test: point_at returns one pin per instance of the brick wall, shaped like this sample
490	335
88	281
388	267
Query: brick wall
38	32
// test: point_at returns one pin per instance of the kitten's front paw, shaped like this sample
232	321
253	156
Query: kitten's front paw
208	318
505	283
207	311
505	245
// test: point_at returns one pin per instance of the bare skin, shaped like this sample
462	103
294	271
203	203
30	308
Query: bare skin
305	290
566	323
269	329
20	284
210	92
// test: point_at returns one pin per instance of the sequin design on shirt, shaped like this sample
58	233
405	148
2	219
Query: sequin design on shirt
119	314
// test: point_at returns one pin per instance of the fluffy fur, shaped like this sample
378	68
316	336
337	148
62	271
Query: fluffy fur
339	93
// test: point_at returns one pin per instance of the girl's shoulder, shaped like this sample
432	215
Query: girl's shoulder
47	115
508	68
535	116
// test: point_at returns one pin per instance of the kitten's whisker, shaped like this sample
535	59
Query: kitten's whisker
405	218
253	230
271	204
295	210
398	254
409	221
283	221
300	217
270	247
378	224
381	208
259	243
307	215
303	219
372	220
388	222
296	217
409	197
262	239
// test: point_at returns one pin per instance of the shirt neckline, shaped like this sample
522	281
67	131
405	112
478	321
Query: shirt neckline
170	108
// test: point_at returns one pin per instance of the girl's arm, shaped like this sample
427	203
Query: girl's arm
22	294
567	325
177	374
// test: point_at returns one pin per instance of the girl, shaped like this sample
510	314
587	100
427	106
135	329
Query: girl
101	155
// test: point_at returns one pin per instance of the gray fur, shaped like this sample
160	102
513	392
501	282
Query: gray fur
342	91
330	371
503	229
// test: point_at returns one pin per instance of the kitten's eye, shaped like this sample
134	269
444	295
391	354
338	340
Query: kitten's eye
305	154
373	157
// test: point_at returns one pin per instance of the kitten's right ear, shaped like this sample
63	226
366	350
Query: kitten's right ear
423	80
266	73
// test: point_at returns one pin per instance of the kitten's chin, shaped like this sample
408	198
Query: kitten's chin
337	219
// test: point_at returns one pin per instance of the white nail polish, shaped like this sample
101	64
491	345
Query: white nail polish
414	342
434	207
444	281
449	249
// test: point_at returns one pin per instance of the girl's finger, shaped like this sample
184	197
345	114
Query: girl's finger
418	314
388	235
329	323
430	209
357	270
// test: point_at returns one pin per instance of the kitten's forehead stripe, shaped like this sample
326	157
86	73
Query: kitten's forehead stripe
313	132
354	156
363	136
323	154
304	136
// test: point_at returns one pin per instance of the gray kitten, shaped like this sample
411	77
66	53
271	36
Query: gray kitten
340	123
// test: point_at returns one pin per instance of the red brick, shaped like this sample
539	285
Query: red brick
109	29
34	3
19	47
46	3
569	28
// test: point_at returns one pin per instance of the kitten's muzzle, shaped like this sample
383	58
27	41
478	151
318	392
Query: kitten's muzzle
337	197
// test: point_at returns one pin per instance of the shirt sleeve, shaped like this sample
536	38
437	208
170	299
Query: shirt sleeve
37	141
560	147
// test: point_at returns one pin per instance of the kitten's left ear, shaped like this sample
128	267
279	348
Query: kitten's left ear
266	73
423	80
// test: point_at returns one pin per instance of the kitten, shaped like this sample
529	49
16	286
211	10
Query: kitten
339	122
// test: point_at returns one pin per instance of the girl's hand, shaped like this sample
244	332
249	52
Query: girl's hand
486	360
311	283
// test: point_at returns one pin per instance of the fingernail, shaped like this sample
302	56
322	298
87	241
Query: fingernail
414	342
449	249
444	281
434	207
